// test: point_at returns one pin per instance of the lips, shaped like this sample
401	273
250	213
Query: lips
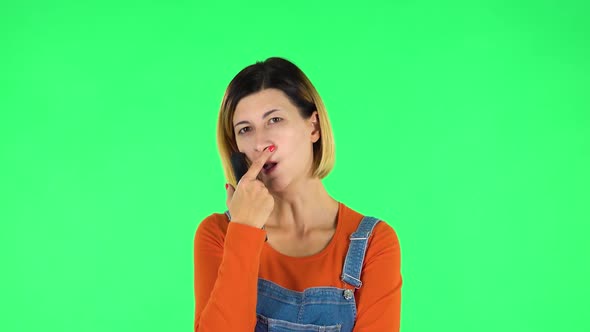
269	167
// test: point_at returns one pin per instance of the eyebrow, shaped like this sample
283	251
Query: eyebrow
263	116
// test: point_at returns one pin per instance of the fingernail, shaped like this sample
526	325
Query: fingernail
271	148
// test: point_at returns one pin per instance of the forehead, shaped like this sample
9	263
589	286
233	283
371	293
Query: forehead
262	101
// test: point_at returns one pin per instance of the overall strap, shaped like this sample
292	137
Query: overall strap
353	263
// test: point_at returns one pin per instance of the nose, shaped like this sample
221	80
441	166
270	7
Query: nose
261	142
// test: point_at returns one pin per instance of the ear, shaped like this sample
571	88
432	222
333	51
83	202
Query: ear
314	122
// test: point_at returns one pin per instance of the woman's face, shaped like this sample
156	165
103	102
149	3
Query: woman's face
269	118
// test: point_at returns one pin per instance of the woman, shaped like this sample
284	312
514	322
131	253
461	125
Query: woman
286	256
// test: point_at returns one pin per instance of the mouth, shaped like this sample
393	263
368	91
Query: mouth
269	167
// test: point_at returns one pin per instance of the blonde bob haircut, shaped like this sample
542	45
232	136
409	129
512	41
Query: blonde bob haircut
277	73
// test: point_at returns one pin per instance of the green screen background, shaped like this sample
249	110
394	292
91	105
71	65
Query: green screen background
462	124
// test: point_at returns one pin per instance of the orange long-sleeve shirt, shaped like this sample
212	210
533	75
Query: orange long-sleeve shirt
229	258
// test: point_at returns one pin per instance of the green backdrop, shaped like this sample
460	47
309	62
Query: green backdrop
463	124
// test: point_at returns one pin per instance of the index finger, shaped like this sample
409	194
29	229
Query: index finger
257	165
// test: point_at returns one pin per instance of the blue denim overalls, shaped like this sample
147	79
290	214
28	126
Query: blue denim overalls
328	309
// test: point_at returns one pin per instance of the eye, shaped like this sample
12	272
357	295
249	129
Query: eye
241	131
278	119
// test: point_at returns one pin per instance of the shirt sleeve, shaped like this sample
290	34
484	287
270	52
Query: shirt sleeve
379	298
226	275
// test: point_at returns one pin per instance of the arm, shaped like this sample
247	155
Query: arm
379	298
226	276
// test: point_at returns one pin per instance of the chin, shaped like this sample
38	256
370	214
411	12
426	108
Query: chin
276	185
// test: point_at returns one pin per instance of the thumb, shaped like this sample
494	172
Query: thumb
229	189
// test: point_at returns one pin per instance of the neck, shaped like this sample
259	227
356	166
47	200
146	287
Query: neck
302	208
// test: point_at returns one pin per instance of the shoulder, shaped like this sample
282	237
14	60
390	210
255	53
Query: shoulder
212	229
382	237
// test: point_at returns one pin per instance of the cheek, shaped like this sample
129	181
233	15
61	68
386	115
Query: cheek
245	146
294	143
240	144
288	140
287	135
